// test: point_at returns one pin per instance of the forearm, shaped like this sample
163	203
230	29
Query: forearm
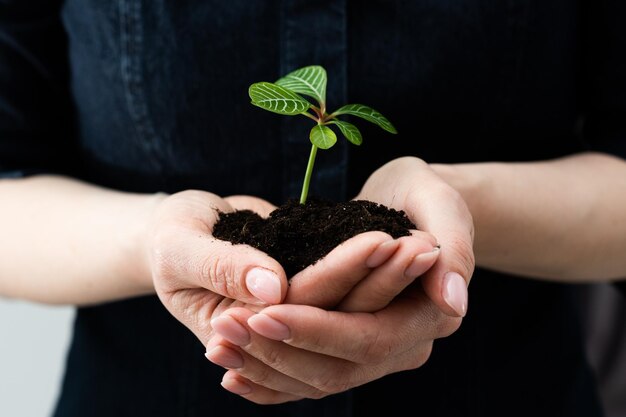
563	219
68	242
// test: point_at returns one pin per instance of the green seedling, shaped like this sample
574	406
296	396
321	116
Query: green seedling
285	97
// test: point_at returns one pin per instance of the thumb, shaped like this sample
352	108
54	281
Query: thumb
243	273
447	281
194	260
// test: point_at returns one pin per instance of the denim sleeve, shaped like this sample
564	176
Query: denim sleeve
36	117
604	69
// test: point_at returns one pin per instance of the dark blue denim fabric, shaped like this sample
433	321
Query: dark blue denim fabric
152	96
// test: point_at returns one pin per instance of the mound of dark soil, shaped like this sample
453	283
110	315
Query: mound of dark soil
299	235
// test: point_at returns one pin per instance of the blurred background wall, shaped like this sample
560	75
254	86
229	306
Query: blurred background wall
33	343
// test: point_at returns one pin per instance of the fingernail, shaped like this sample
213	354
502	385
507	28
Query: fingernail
236	386
421	263
269	327
455	292
231	330
264	285
226	357
381	253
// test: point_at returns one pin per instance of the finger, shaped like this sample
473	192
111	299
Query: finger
356	337
229	349
191	259
326	283
284	368
446	282
273	387
261	374
415	255
256	393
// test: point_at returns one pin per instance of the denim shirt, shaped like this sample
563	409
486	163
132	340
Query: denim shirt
151	96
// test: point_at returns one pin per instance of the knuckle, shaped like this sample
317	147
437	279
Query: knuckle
377	353
447	326
421	357
217	273
260	376
316	394
334	382
463	252
273	358
375	348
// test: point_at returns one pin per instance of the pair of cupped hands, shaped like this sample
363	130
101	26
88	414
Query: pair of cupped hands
372	306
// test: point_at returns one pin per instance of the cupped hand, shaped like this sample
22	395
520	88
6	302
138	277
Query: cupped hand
366	272
289	352
386	324
195	275
409	184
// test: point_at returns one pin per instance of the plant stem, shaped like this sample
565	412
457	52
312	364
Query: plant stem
310	116
307	175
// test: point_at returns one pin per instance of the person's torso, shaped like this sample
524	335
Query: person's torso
160	89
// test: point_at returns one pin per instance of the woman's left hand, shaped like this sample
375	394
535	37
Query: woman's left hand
289	352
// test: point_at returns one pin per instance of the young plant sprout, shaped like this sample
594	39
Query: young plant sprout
283	97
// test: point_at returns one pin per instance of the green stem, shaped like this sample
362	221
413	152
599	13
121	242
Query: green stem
310	116
307	175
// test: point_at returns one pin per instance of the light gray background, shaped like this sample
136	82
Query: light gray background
33	343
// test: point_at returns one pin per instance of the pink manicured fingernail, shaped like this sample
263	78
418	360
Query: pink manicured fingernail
264	285
421	263
455	292
269	327
231	330
381	253
236	386
224	356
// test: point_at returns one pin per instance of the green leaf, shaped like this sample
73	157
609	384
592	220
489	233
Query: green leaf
277	99
350	131
368	114
323	137
310	81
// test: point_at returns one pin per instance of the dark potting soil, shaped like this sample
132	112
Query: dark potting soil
299	235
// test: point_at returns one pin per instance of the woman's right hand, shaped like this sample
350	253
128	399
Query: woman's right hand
196	275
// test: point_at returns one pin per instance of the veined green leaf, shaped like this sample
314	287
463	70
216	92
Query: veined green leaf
277	99
310	81
368	114
350	131
323	137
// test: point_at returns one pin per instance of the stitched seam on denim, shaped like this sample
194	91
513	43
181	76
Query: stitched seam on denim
130	66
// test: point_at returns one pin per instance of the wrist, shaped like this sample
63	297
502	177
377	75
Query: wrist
474	183
466	179
138	264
